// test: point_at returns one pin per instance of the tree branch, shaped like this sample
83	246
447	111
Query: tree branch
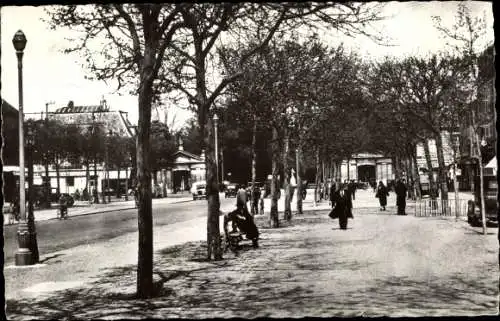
133	33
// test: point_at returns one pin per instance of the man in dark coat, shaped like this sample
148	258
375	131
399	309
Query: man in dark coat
401	196
343	206
332	194
382	193
352	189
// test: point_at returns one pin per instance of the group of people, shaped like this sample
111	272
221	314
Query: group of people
400	189
241	219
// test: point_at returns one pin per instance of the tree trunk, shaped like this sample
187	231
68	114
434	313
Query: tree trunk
47	185
318	173
87	175
213	231
417	186
96	195
323	178
442	168
299	179
273	215
481	173
58	178
286	173
145	210
348	169
254	163
118	185
163	183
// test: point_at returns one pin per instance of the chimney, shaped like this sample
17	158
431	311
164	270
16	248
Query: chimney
181	146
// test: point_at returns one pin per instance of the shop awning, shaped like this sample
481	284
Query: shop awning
492	163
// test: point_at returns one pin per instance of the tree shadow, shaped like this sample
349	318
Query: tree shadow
280	279
47	258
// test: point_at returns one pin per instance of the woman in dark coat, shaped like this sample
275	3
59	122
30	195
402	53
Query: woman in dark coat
382	193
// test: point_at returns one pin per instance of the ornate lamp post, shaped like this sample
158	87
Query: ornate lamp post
33	245
23	254
216	122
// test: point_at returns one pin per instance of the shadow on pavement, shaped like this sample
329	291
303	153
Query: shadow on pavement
285	277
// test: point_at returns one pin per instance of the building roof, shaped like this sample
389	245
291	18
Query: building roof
188	155
81	109
101	115
8	109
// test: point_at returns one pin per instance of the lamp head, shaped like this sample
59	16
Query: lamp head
216	118
19	41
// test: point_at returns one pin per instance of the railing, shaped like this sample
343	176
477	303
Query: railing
439	207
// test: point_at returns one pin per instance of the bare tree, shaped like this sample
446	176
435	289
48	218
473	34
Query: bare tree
135	38
192	52
468	37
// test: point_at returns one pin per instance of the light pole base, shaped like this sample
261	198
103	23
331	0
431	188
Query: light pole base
23	257
23	254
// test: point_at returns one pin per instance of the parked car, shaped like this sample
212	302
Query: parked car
39	193
198	190
474	217
231	190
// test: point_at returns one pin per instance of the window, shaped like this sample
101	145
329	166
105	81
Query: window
70	181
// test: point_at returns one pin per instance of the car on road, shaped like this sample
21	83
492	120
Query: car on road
39	193
198	190
474	217
231	190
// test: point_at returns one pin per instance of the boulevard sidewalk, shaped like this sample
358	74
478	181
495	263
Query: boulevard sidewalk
84	208
383	264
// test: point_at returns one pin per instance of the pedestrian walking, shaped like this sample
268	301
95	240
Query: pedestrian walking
401	192
342	206
352	189
333	190
255	200
382	193
242	198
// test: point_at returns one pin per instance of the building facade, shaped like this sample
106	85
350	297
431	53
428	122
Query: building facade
367	167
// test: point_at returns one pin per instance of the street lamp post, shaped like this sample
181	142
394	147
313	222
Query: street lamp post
216	121
23	254
126	177
107	166
33	245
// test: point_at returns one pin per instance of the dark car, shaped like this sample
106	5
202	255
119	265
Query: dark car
474	217
39	196
231	190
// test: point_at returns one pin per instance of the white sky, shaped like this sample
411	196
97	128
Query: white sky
50	75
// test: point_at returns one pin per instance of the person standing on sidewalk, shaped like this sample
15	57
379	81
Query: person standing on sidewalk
401	196
333	195
241	198
382	194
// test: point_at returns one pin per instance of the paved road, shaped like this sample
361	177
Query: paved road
55	235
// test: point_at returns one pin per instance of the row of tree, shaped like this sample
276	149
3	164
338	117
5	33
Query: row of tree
61	145
164	50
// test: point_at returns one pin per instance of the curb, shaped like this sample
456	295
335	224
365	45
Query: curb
99	212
